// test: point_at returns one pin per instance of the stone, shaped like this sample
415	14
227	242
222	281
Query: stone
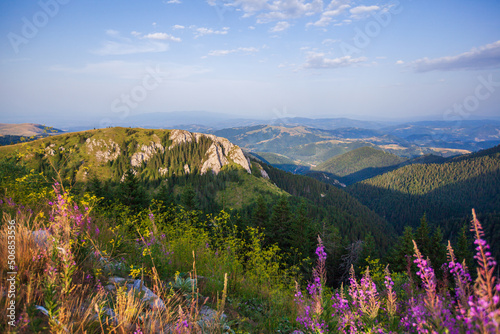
150	297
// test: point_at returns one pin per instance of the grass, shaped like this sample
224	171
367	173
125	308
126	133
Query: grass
67	258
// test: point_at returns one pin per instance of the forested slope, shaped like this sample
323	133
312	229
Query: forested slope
446	192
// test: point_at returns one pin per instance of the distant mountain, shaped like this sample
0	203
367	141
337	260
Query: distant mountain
309	146
27	130
15	133
359	164
328	123
468	135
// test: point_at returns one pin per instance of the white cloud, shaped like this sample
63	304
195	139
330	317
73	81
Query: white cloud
318	60
328	15
291	9
400	62
330	41
200	32
172	1
274	10
177	27
246	50
486	56
161	36
280	26
123	45
362	10
112	33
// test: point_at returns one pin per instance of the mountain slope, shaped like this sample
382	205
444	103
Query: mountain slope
15	133
360	164
174	160
446	192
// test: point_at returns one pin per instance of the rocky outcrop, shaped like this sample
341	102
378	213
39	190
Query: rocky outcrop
146	153
103	150
219	154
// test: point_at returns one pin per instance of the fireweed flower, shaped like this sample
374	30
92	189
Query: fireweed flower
484	312
310	314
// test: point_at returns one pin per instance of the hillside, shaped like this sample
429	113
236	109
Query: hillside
446	192
360	164
165	164
15	133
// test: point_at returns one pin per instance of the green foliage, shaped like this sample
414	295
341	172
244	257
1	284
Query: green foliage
359	164
445	191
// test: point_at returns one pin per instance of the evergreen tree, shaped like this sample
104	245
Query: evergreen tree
278	227
301	234
403	251
463	250
188	198
422	237
260	214
165	195
437	252
131	193
369	250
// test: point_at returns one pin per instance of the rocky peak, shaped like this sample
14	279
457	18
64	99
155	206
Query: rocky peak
220	153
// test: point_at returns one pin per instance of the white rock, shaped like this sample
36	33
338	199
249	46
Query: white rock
104	151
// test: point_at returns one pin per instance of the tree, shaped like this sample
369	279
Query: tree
260	214
422	237
463	251
403	251
188	198
301	234
165	195
131	193
277	229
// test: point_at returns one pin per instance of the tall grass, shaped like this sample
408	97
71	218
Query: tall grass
67	258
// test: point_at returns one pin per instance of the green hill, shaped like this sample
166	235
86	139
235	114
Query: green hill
446	192
207	172
360	164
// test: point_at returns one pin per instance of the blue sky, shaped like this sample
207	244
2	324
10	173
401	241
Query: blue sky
110	59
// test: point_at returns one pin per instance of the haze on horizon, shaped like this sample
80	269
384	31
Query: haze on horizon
91	61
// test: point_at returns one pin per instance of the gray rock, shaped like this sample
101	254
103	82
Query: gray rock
150	297
41	238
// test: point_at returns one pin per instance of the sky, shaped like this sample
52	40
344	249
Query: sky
104	61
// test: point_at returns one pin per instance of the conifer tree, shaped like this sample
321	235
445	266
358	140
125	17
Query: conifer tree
278	227
260	214
131	192
301	235
462	250
188	198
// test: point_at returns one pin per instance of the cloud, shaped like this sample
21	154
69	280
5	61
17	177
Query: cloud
318	60
200	32
177	27
363	10
330	41
172	2
246	50
280	26
269	11
291	9
124	45
162	36
400	62
328	15
487	56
